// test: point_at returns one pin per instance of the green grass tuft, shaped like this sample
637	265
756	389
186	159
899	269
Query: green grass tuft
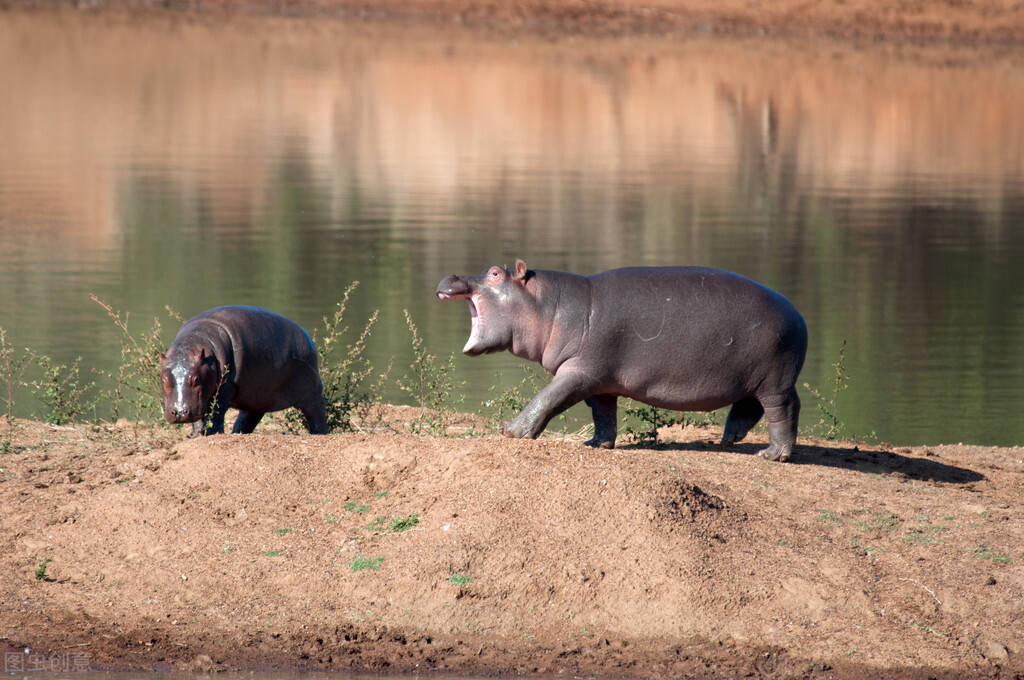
361	563
399	524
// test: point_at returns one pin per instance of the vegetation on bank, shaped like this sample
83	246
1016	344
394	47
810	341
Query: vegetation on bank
353	386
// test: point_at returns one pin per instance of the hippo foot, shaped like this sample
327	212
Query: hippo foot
775	452
512	432
600	443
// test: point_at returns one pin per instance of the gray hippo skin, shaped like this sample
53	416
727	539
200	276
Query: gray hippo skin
259	360
683	338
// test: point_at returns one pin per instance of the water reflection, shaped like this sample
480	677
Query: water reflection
194	165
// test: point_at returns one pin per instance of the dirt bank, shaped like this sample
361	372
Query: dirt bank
941	22
539	557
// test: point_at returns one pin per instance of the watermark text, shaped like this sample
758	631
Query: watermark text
55	662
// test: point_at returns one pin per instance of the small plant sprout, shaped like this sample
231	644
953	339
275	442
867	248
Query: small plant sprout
361	563
400	524
40	571
651	419
829	517
985	553
460	579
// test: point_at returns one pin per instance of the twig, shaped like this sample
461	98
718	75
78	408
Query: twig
930	591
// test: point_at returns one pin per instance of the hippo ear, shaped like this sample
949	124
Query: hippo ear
202	355
520	272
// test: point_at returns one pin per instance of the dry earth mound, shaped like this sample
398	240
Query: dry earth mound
389	551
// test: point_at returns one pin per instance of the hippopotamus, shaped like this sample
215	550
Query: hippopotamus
249	358
683	338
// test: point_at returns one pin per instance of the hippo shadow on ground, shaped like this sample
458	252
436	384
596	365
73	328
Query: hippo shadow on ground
866	462
884	463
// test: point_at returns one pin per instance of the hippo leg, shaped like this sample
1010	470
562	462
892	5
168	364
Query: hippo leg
315	415
782	413
743	415
605	410
216	418
246	422
215	426
564	390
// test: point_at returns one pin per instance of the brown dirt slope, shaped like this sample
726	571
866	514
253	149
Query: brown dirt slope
946	22
543	557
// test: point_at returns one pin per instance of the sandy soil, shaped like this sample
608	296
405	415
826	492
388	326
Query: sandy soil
683	560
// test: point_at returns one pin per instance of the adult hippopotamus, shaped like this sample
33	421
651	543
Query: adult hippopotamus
684	338
249	358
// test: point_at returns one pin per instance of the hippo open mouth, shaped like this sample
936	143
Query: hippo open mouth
474	316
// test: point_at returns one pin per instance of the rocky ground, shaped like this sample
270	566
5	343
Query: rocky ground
388	551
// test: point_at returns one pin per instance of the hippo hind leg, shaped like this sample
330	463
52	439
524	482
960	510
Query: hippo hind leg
246	422
783	414
605	410
315	415
743	415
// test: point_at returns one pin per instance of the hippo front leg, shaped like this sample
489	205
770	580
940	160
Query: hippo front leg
212	421
207	425
564	390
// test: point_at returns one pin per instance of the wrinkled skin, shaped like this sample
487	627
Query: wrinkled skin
248	358
683	338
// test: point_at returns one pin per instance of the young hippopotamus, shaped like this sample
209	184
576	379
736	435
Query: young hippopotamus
251	359
683	338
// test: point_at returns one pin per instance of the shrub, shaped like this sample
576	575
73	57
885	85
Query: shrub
429	383
350	394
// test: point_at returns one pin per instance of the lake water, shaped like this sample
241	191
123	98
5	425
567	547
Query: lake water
194	164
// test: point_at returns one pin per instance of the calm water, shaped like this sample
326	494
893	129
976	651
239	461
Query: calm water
192	166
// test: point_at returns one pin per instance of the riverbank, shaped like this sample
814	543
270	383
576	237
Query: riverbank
387	551
992	23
